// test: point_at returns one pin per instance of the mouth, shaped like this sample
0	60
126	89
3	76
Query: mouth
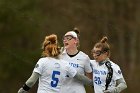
66	44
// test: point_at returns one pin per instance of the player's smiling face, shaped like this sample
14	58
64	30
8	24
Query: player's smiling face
98	54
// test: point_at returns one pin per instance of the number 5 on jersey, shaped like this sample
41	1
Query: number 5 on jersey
55	80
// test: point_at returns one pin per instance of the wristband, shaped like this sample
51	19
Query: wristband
25	87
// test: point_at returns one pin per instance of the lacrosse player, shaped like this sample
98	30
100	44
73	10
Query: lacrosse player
107	76
50	70
77	59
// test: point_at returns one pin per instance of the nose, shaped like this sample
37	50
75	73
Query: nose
64	40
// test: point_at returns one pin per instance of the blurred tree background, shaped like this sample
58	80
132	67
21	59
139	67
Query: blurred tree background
24	24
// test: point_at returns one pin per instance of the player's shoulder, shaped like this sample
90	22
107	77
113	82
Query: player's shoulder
93	62
43	59
82	55
114	65
116	68
41	62
64	61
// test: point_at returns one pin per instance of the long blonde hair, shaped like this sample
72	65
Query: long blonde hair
50	46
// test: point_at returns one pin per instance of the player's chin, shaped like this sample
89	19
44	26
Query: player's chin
96	59
66	46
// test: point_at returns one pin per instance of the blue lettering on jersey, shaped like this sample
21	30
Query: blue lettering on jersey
74	65
99	72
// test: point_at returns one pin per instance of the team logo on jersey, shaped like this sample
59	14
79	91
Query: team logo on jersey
119	71
57	65
37	65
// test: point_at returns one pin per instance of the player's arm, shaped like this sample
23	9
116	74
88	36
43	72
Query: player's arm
88	68
84	79
89	75
29	83
71	72
121	85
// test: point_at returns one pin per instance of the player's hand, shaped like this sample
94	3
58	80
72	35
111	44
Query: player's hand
21	90
112	90
106	91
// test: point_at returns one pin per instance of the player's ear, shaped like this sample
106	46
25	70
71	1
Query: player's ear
76	41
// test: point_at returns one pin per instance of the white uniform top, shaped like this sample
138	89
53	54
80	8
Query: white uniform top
100	74
52	73
81	63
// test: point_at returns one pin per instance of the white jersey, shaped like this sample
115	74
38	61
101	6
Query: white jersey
81	63
52	73
100	74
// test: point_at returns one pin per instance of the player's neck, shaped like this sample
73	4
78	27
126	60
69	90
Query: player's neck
102	62
72	51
